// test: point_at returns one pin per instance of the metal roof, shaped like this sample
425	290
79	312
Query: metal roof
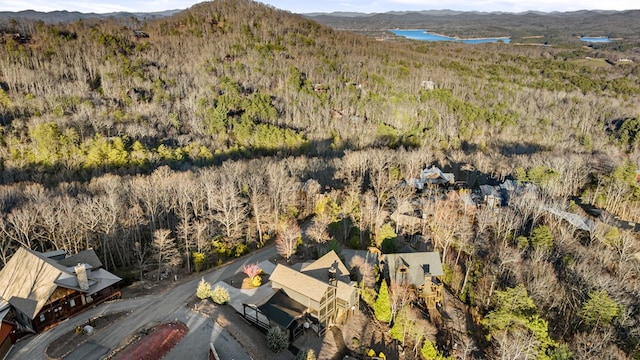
282	309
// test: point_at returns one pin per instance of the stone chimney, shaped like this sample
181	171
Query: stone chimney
332	276
81	274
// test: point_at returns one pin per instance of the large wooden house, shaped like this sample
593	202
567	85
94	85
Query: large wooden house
43	289
316	296
421	270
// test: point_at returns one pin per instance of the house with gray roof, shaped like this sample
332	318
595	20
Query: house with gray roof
43	289
421	270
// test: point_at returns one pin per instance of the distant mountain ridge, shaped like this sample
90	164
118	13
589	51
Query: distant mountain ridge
70	16
448	12
63	16
554	26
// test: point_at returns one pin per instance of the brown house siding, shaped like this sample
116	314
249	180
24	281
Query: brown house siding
72	303
6	338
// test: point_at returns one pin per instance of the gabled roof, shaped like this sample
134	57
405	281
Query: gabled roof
345	291
71	281
319	269
26	306
434	175
88	257
28	280
55	254
4	309
298	282
101	279
416	265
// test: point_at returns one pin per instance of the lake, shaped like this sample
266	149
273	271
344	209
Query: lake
427	36
595	39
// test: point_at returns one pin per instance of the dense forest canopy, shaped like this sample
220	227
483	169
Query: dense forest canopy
211	128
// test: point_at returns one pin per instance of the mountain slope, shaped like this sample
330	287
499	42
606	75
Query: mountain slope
204	125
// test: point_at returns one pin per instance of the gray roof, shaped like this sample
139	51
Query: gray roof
434	175
30	278
55	255
282	309
416	265
4	309
101	279
83	257
28	307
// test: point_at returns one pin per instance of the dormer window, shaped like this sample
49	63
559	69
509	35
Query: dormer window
426	269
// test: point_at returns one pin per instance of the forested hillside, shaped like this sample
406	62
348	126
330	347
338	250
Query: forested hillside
199	135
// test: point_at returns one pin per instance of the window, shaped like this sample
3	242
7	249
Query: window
72	302
42	318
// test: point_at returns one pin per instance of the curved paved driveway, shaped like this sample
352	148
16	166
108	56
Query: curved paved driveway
154	308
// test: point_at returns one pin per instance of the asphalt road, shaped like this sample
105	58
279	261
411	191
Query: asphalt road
146	311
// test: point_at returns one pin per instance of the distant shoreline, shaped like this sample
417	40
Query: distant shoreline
457	38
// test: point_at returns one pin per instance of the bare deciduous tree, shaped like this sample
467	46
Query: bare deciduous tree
289	234
228	207
400	295
165	251
364	271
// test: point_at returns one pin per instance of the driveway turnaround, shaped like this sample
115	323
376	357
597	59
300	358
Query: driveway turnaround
149	310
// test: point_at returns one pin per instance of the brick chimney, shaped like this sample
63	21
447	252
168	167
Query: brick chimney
81	274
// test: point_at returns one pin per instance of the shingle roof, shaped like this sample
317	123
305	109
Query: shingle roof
416	264
83	257
29	278
319	269
345	291
299	282
101	279
27	306
28	275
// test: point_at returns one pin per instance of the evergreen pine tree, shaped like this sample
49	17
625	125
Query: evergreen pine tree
382	306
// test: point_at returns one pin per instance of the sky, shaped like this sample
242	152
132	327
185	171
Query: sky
307	6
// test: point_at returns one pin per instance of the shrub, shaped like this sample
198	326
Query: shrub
277	340
241	249
368	295
306	355
198	259
428	350
355	342
220	295
204	289
251	270
220	249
